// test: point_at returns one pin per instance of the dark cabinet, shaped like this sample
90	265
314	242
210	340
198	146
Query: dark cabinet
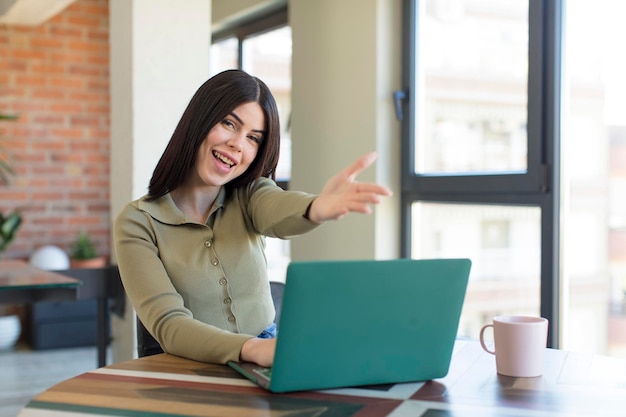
83	322
63	325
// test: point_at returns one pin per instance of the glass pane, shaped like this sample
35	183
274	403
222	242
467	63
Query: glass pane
504	244
224	55
471	86
268	56
594	177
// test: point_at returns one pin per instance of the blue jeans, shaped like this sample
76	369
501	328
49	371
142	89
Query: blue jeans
269	333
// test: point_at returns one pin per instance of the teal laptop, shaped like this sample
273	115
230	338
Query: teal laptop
364	322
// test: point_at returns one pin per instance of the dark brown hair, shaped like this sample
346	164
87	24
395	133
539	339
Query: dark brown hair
213	101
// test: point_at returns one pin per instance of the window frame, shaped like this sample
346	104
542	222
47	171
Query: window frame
253	26
539	186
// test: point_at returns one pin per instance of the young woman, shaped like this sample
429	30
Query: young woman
191	252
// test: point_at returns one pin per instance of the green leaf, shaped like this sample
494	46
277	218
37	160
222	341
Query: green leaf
8	228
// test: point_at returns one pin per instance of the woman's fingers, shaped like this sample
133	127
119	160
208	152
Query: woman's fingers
359	165
355	169
371	189
342	194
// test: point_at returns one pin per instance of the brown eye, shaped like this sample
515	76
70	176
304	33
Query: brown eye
228	123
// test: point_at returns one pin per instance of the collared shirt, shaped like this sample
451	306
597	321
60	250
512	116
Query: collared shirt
202	290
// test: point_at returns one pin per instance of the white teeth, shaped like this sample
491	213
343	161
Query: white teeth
224	159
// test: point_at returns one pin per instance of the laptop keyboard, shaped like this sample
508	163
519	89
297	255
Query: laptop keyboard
264	372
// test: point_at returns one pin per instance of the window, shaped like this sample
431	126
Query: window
594	177
262	47
479	173
495	234
515	151
224	55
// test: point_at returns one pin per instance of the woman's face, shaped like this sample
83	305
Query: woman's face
231	145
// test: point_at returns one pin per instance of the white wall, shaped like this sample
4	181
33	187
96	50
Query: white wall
159	57
346	64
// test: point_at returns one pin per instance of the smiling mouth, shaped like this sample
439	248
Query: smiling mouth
224	159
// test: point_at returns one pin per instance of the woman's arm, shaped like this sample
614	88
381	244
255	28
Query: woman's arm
284	214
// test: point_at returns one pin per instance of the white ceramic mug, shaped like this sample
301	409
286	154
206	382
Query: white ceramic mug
519	344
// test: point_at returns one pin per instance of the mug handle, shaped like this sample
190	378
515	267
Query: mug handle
482	341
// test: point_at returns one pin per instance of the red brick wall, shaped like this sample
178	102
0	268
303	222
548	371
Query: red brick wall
56	78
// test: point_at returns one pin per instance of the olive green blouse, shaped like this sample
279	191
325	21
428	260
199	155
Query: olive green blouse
202	290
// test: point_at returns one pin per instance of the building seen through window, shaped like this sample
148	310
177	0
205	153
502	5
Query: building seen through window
472	118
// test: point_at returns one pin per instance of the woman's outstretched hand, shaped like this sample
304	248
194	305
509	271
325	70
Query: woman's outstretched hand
342	194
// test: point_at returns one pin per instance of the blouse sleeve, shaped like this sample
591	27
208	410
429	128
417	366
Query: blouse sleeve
279	213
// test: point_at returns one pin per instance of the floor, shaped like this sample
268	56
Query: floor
25	373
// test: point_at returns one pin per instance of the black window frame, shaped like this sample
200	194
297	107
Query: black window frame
254	25
539	186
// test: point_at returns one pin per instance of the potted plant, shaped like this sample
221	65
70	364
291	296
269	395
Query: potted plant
10	327
84	253
11	222
8	228
10	322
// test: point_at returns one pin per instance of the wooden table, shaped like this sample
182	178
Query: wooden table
21	282
573	385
